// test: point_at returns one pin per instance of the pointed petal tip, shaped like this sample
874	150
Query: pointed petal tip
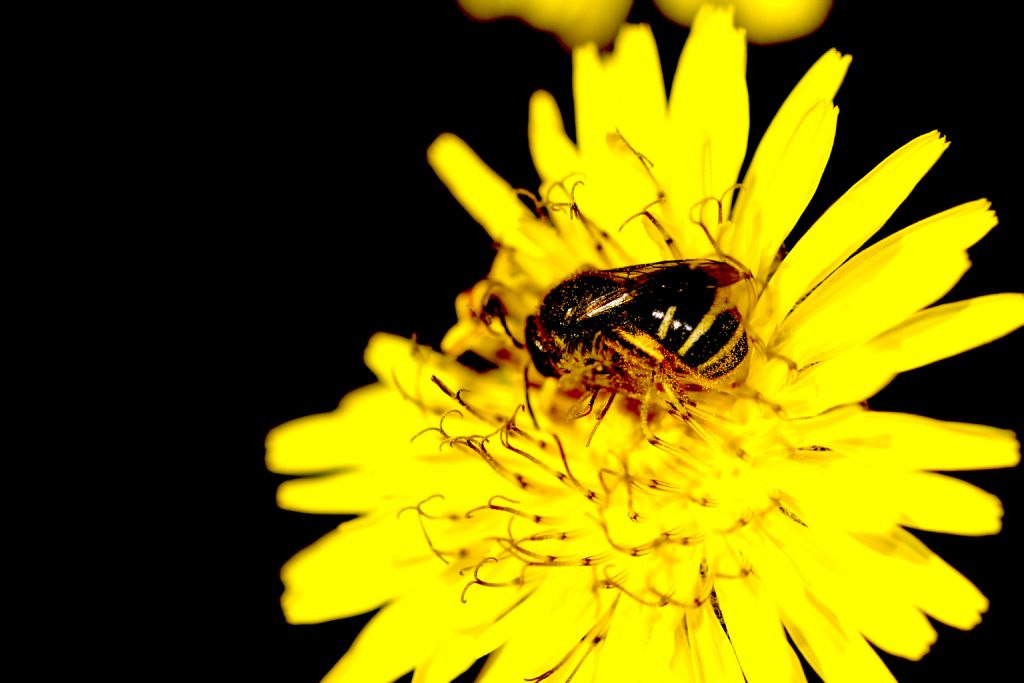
714	9
835	53
840	60
714	13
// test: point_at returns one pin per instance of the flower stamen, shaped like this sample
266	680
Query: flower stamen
504	508
421	515
446	439
457	397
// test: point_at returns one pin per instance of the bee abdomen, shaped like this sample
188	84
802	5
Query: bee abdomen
728	358
720	334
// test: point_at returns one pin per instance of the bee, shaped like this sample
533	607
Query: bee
669	326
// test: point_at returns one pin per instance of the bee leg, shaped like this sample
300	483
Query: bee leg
645	421
583	406
645	426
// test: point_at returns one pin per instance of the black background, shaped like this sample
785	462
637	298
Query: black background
338	228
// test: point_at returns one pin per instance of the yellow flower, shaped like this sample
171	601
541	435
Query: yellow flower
681	544
578	21
766	21
574	21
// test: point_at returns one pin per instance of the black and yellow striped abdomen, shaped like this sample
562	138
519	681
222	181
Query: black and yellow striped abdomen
702	329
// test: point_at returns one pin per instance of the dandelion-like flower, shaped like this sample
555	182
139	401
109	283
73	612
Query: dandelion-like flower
573	529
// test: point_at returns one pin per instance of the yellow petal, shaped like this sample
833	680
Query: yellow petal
947	330
633	651
620	114
909	442
566	617
925	579
832	566
755	630
711	654
849	495
371	420
826	498
789	161
709	119
400	635
866	297
884	285
643	646
850	221
930	335
554	154
934	502
778	194
348	493
633	73
483	193
591	100
488	618
832	647
412	369
457	475
355	568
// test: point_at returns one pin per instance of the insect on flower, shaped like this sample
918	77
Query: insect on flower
654	331
668	326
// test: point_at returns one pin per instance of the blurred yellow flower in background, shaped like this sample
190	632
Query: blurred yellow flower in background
574	21
687	548
577	21
766	21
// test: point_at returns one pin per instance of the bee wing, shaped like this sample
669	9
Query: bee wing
632	279
720	272
608	302
629	281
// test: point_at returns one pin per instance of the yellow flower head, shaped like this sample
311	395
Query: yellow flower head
627	513
574	21
766	21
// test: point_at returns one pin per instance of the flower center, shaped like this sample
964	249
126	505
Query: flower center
655	522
